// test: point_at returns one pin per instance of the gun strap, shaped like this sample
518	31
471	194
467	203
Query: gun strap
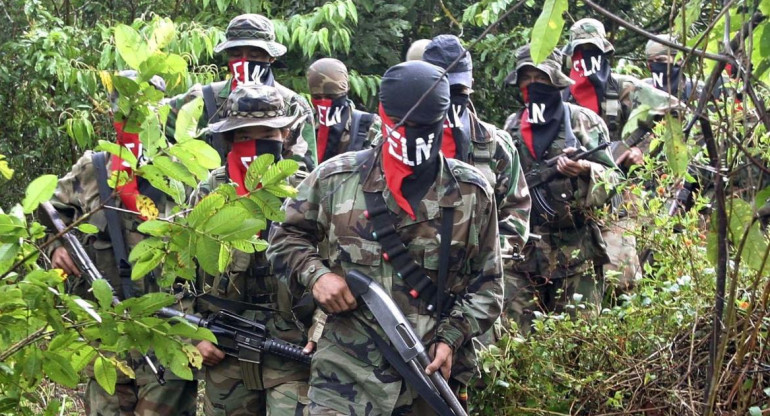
569	136
216	140
447	222
425	390
359	129
394	249
114	228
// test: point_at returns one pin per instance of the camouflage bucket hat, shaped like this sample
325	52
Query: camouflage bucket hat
654	49
251	30
551	66
588	31
417	49
327	76
253	105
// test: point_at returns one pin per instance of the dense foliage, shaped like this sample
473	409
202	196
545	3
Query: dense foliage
648	351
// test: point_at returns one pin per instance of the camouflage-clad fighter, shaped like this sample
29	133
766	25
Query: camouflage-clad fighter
255	122
562	263
340	127
666	71
408	184
614	97
251	49
77	193
481	144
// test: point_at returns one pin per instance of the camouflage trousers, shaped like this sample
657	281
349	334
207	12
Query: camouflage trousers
623	271
143	396
228	394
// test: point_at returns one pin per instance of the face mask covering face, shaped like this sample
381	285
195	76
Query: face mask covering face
541	120
456	141
243	153
332	116
246	72
135	185
591	73
410	160
665	76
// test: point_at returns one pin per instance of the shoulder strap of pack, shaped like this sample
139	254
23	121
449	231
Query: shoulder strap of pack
570	140
216	140
113	225
359	129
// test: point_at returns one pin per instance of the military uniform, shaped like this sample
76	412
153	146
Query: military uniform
668	76
620	96
276	386
562	263
77	193
255	31
349	375
340	127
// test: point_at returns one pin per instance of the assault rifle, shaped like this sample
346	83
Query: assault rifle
405	352
238	337
536	178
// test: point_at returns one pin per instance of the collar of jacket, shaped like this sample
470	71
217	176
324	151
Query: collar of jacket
444	192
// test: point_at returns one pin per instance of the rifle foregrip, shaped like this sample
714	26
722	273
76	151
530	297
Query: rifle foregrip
287	350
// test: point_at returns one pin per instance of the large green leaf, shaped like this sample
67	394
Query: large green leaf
186	127
175	170
269	204
225	221
119	151
188	330
207	253
205	209
279	172
131	46
144	266
162	35
105	374
256	170
741	217
39	190
676	149
147	304
205	155
59	369
547	30
102	293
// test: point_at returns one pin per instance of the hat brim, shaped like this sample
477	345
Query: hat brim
560	81
273	48
603	44
232	123
461	78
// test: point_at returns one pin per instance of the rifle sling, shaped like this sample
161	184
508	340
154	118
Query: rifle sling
425	390
114	227
235	306
359	128
217	140
395	249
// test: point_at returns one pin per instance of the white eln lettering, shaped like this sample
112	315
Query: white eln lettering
394	145
657	79
576	65
596	64
537	115
456	111
422	152
246	160
327	119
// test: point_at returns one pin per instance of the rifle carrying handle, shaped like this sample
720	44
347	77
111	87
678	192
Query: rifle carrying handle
287	350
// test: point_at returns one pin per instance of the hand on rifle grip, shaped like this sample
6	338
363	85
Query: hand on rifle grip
60	259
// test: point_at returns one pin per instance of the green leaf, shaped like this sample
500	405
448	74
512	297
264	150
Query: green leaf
205	209
269	204
39	190
88	228
126	87
188	330
81	130
187	121
640	112
155	228
162	35
188	160
755	411
145	249
59	369
131	47
105	374
102	293
205	155
225	221
175	170
547	30
154	64
279	172
256	169
207	253
248	228
144	266
146	304
119	151
62	341
82	356
676	149
224	258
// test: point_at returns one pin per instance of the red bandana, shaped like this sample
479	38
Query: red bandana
393	151
525	127
583	90
130	189
238	160
448	146
323	106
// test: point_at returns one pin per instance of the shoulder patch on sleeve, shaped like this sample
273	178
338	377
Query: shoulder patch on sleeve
464	172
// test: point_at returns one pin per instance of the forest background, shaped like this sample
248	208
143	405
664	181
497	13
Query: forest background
691	339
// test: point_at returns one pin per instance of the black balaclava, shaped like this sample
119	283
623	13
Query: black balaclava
411	153
666	76
591	65
458	125
542	118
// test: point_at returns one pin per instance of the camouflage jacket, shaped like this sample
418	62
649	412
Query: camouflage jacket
626	94
250	279
77	193
371	135
300	147
329	211
494	154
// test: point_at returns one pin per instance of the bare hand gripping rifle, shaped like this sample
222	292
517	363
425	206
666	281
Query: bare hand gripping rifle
404	340
242	338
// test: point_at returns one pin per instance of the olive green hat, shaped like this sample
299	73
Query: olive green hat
251	30
253	105
653	49
551	66
588	31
